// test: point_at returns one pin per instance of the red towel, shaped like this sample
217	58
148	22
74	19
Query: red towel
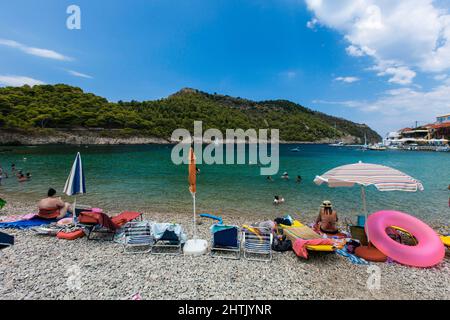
299	246
125	217
113	223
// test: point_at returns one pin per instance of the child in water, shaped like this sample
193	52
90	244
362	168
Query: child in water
278	200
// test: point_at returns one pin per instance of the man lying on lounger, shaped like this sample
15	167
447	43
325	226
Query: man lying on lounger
53	207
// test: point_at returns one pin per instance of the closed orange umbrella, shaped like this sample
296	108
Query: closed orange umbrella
194	246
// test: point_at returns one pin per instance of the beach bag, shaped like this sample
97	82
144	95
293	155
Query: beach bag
281	244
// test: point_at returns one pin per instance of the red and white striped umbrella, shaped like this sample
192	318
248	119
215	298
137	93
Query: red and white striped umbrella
367	174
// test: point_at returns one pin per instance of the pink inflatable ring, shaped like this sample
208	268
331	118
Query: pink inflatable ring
429	250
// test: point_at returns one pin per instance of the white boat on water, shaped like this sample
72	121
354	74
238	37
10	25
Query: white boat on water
337	144
296	149
377	147
443	149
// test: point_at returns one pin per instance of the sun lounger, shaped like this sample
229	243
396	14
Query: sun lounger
99	225
138	237
446	240
169	238
225	241
300	231
257	243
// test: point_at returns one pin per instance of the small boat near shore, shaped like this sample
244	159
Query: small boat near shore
337	144
377	147
443	149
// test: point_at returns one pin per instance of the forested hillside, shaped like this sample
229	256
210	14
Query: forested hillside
33	109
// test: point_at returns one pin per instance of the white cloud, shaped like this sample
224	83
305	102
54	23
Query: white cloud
311	24
290	74
347	79
17	81
79	74
39	52
400	36
440	77
399	75
401	107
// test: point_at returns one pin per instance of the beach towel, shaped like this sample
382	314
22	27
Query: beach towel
351	257
160	230
26	224
299	246
17	217
219	227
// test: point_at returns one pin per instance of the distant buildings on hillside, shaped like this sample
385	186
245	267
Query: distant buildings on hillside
433	136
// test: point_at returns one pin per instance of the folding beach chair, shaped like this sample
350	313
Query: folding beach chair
138	237
168	241
225	241
257	243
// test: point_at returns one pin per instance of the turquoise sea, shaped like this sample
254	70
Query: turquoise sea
143	177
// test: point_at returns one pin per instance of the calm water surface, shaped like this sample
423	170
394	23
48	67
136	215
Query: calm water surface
143	177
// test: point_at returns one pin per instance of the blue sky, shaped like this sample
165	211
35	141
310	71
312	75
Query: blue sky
368	61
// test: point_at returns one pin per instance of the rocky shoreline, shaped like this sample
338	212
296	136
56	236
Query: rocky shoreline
99	137
41	267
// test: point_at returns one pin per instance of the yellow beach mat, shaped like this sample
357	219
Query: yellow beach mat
299	230
446	241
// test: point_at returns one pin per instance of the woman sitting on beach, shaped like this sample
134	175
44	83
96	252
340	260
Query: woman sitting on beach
53	207
327	218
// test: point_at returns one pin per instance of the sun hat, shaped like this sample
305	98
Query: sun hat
326	204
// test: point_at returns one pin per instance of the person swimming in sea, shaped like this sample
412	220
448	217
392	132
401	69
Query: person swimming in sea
269	178
285	176
298	179
278	200
21	178
28	176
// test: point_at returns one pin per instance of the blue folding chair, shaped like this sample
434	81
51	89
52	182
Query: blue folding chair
225	239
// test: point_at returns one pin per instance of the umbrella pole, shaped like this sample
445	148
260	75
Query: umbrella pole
363	196
195	224
74	218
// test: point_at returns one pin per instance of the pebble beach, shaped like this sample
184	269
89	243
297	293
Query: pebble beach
43	267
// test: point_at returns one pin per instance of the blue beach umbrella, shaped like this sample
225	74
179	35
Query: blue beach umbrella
75	183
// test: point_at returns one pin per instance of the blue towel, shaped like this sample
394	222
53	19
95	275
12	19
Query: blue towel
26	224
353	259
